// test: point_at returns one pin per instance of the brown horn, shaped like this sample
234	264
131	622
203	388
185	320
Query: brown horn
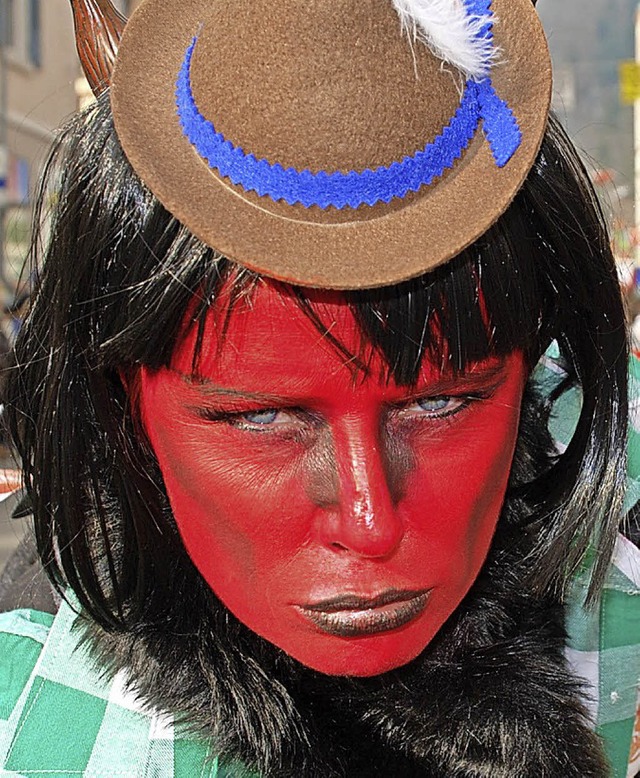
98	25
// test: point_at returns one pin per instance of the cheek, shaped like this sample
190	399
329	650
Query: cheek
458	484
225	495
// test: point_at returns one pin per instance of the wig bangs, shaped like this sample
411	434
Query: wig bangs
477	306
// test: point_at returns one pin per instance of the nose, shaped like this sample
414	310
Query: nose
359	508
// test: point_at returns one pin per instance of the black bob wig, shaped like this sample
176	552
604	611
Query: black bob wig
118	274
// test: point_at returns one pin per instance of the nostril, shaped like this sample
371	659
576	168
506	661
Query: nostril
367	533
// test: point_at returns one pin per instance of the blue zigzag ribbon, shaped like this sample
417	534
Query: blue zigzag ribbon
340	190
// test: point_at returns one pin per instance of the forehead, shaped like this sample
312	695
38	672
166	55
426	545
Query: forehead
268	330
266	341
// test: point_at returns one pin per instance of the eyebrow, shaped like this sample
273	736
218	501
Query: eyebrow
209	389
490	376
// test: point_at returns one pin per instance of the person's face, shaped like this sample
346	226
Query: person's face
343	520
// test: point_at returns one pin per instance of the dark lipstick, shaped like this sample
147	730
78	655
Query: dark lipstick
353	616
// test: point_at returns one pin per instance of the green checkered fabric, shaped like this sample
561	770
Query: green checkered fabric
604	648
604	643
58	716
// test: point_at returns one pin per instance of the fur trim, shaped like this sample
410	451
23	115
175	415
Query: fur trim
451	32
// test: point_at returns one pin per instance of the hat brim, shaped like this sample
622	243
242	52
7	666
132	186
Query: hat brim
433	226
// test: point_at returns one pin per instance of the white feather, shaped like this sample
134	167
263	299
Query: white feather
451	33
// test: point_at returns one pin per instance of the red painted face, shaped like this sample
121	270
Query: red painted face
342	520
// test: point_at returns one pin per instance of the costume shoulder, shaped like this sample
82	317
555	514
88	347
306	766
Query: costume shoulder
604	641
604	650
23	634
59	715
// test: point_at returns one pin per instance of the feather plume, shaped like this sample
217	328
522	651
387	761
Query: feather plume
453	32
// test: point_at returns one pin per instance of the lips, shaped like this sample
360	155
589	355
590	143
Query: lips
353	616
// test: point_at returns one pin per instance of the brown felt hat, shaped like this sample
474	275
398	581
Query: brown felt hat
319	142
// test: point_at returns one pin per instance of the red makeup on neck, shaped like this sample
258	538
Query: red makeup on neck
341	518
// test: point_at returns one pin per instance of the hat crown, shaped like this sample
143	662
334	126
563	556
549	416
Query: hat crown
324	66
318	143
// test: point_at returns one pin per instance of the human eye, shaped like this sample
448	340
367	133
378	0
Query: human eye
439	407
263	418
280	420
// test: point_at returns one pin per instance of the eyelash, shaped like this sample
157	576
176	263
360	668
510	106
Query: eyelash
236	418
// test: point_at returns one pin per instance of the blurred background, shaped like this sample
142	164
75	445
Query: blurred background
596	85
597	96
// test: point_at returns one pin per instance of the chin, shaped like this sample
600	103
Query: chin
361	657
